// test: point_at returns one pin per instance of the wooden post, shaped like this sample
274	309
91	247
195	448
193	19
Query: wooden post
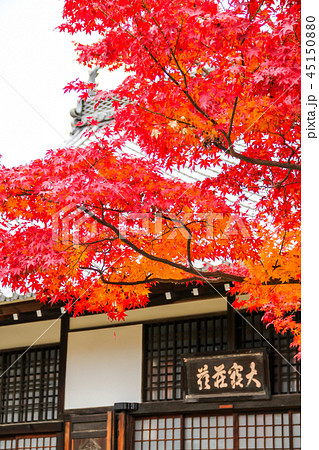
67	436
121	431
129	432
62	368
231	324
110	431
236	434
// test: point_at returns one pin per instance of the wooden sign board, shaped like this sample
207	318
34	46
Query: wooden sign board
226	375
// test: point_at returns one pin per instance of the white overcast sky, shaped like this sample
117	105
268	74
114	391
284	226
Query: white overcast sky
37	61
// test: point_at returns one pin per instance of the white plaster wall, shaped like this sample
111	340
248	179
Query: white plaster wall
26	334
104	367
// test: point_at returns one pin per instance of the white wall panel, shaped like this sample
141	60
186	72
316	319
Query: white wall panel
104	367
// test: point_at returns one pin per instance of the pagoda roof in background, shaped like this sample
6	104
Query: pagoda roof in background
102	112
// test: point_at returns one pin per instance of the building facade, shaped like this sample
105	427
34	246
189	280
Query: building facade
89	383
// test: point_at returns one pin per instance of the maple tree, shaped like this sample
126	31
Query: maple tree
210	84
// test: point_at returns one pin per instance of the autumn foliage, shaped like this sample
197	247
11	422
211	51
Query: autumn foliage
211	85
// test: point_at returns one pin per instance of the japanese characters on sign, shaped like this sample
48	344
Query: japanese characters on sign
228	375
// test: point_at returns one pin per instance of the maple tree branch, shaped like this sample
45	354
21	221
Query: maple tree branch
256	12
185	91
296	35
161	66
192	270
159	280
168	44
143	45
155	59
199	109
135	247
260	162
102	209
279	184
163	115
99	241
179	34
252	18
180	69
116	23
232	118
275	282
211	277
189	256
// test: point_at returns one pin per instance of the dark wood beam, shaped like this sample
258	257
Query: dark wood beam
283	401
31	428
20	306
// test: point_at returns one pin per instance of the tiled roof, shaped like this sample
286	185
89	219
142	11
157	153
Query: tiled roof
103	111
16	297
85	109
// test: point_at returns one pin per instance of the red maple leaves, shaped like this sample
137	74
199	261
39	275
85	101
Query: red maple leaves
208	87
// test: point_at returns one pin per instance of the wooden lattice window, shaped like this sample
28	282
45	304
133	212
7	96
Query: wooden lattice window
278	431
209	432
29	385
164	345
285	376
163	433
273	431
29	443
184	433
